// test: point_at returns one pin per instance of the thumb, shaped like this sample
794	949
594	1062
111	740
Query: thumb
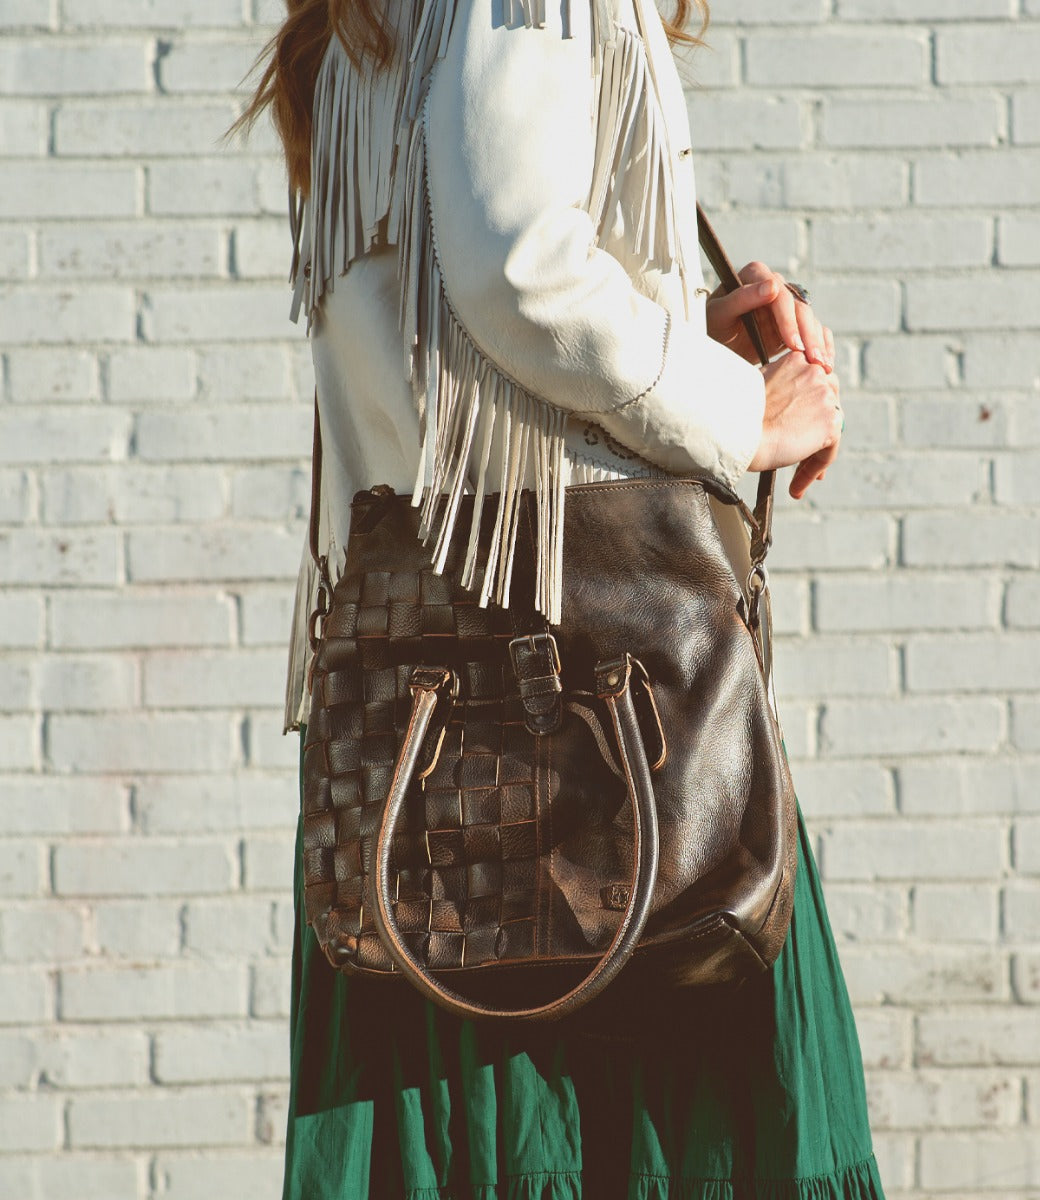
746	299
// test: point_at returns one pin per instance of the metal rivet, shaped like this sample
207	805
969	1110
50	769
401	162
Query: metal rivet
613	679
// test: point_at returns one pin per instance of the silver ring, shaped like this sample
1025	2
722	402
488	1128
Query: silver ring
801	294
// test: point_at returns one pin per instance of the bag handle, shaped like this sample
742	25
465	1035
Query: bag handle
613	683
762	528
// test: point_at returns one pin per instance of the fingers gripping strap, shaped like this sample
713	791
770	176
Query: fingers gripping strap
613	685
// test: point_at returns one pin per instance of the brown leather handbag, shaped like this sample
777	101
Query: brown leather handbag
506	814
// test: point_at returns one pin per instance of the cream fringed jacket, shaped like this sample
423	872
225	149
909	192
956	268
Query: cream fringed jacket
499	268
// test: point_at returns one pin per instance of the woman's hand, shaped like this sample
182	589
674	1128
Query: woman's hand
802	423
790	325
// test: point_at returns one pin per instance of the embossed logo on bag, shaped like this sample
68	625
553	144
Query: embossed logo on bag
615	896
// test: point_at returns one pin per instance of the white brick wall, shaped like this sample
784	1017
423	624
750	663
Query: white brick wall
154	414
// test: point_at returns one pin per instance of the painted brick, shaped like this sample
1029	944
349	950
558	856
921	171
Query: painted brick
268	863
214	553
729	122
74	435
244	432
988	1162
963	786
952	420
55	374
125	742
63	68
945	1100
828	789
973	538
905	975
778	240
924	10
29	1122
981	55
908	601
44	805
868	914
133	495
140	618
816	667
1000	178
1022	606
156	129
252	313
239	927
17	685
206	66
193	188
17	497
247	373
199	1117
221	1054
87	684
23	127
858	306
28	13
16	255
152	252
978	1037
70	1174
1025	976
26	996
960	912
200	1176
900	480
912	726
986	302
885	1037
1027	846
814	180
1001	360
104	314
40	190
169	14
710	66
266	616
837	59
973	663
841	540
144	867
21	868
1025	118
905	850
260	249
221	680
25	930
1022	911
142	932
1025	724
949	121
906	242
19	745
1018	240
268	990
177	992
95	1058
267	748
143	374
216	803
1017	478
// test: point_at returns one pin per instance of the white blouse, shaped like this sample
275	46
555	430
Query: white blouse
498	263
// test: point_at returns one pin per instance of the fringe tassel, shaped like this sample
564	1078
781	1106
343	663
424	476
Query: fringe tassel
369	184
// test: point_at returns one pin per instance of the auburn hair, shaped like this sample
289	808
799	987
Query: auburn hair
291	60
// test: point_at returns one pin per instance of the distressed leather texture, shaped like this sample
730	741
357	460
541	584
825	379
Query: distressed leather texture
515	851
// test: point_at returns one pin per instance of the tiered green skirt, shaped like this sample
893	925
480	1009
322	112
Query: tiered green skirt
720	1094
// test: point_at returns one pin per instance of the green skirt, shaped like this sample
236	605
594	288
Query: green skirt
753	1093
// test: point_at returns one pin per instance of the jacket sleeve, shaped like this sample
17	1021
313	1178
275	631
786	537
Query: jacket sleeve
510	149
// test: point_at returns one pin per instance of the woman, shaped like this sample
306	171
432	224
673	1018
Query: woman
509	185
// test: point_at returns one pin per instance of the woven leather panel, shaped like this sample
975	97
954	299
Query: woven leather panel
515	846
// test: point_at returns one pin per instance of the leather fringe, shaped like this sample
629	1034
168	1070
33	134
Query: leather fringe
369	186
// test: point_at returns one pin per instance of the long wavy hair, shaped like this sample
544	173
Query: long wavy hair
292	57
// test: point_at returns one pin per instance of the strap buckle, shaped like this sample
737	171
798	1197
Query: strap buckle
536	665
